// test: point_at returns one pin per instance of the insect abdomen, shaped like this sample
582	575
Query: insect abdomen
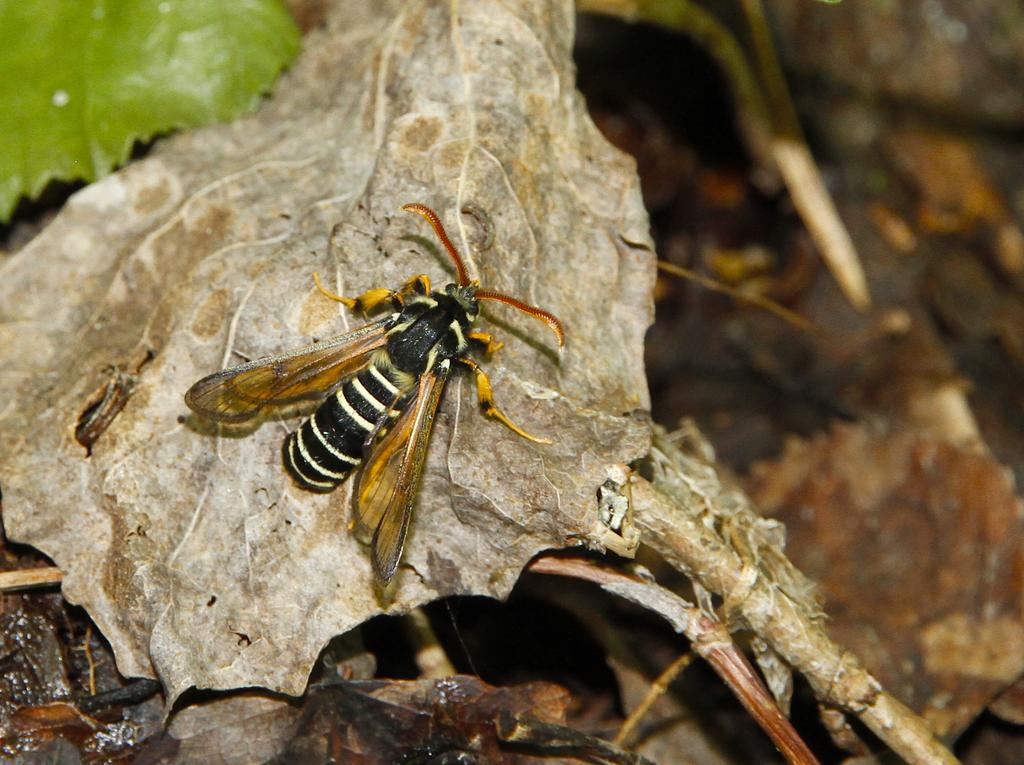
329	445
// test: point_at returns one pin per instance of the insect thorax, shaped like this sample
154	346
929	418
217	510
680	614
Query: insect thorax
431	327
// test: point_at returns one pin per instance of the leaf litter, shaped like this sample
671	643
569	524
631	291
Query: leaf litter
181	540
699	523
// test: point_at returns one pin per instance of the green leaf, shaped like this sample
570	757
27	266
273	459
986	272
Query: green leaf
82	80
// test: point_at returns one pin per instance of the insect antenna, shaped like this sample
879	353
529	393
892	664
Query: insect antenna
538	313
435	223
554	324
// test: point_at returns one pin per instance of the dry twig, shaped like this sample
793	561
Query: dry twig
799	170
658	689
709	639
760	301
431	658
87	649
691	518
769	126
29	578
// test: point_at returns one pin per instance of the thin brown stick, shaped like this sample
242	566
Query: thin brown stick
658	689
29	578
708	638
87	647
819	214
781	311
431	658
800	171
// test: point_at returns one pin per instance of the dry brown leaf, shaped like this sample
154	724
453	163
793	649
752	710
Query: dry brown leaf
918	546
454	719
227	730
197	557
1009	705
37	729
35	668
945	171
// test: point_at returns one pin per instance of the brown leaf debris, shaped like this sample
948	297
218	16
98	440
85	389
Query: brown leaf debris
179	538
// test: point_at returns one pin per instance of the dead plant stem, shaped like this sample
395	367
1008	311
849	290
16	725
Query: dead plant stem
28	578
658	689
835	674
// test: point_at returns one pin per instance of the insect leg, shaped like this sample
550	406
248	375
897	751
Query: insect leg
487	341
485	396
417	285
364	303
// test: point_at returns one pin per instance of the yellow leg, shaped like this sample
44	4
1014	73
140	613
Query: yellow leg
417	285
491	346
364	303
485	396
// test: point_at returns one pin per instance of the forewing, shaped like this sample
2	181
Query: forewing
236	394
387	485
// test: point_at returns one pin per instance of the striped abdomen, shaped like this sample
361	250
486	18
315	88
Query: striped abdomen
329	445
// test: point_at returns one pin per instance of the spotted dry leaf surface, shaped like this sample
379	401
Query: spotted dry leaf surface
198	558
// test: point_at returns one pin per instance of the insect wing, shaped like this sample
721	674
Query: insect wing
387	484
236	394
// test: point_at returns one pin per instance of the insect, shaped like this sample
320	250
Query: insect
104	407
382	383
